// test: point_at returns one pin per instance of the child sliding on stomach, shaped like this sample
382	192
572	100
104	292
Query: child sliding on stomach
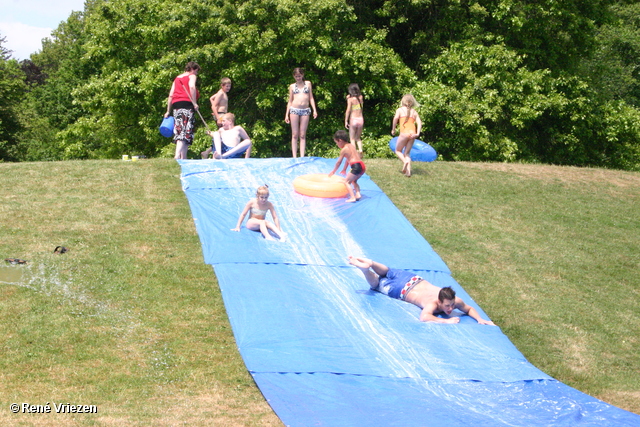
348	151
258	208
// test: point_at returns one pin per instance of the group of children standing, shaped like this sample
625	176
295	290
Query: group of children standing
300	106
231	140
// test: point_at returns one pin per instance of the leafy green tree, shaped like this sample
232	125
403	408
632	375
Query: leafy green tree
481	103
549	34
255	43
49	106
498	79
614	69
11	90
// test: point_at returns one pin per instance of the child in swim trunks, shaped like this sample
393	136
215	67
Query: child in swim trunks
348	152
219	107
407	286
257	209
230	141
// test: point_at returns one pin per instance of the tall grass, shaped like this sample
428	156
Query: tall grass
132	321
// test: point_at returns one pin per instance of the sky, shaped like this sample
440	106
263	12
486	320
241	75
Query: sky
24	23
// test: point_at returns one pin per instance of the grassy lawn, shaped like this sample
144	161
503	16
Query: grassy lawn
131	319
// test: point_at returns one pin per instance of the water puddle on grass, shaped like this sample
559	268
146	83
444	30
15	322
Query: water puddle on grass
11	275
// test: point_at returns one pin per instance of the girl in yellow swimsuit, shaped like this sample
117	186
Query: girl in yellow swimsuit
353	118
410	126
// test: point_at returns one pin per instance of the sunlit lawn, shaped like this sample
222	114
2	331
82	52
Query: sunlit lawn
131	319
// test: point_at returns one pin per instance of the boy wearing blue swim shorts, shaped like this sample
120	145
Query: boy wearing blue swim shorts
406	286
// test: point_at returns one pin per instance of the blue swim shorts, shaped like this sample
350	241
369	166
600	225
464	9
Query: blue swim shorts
398	283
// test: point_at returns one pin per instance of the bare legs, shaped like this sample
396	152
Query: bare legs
246	144
372	270
350	180
264	226
355	136
299	126
403	151
181	150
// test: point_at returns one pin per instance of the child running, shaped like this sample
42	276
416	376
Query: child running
348	152
408	118
258	208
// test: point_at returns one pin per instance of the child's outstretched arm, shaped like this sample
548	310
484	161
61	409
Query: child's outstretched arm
347	156
242	215
335	168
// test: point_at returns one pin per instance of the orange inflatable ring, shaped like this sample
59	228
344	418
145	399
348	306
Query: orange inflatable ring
320	185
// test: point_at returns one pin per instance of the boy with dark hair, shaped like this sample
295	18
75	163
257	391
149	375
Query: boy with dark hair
348	152
409	287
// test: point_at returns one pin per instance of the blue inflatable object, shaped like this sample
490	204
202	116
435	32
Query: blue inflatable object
420	152
166	127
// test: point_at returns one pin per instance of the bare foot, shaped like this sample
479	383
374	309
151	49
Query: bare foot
404	168
216	155
351	200
204	155
360	262
358	195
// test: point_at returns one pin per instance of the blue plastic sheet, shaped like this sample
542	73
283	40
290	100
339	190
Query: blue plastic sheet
324	349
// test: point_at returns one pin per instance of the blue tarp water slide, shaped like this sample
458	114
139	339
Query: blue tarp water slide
324	349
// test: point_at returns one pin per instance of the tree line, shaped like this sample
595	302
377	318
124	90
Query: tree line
509	80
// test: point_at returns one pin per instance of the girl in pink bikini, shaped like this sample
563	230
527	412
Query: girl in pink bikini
353	118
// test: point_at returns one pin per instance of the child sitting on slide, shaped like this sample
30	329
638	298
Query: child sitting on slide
258	208
348	151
